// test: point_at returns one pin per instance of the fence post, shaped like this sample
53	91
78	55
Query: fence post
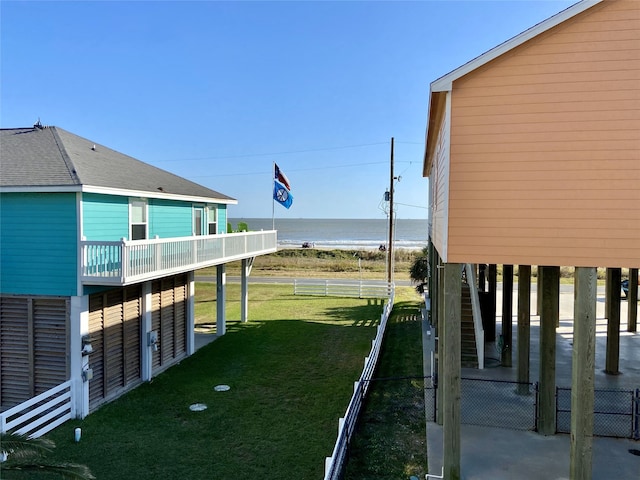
636	430
124	259
536	400
555	430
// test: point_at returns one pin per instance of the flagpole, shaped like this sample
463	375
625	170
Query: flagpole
273	200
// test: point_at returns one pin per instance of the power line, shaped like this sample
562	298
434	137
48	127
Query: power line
290	152
407	205
333	167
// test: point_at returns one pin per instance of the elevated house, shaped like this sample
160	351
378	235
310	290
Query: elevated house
533	154
97	258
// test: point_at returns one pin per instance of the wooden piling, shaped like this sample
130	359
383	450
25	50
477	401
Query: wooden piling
582	377
524	327
451	375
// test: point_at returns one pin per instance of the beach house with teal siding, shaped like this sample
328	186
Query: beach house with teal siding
97	258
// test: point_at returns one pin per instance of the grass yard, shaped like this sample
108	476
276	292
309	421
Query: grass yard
291	370
390	440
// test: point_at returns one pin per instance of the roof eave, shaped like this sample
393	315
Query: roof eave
114	191
160	195
436	107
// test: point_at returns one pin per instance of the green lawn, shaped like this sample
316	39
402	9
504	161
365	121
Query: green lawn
291	370
390	441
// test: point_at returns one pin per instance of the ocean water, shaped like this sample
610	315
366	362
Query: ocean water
342	233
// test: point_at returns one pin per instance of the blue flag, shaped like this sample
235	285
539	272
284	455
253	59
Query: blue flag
282	195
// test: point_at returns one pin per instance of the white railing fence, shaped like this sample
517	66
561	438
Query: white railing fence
125	261
40	414
342	288
346	425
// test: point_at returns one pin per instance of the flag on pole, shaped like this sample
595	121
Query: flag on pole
281	177
282	195
281	188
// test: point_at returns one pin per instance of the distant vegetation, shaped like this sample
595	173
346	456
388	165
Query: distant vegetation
324	263
338	263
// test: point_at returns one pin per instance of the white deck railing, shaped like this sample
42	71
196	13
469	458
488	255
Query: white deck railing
41	414
126	262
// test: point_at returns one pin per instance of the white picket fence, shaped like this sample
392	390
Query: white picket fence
42	413
343	288
347	424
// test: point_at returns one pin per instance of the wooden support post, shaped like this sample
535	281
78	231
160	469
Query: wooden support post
221	300
452	364
632	300
524	327
607	296
548	320
490	331
244	290
507	315
432	283
539	291
612	361
441	346
482	277
582	372
191	312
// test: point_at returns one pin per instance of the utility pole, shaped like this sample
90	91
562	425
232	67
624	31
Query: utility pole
390	246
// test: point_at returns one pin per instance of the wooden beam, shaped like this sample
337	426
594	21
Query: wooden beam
524	327
507	315
632	301
612	361
548	321
582	372
451	375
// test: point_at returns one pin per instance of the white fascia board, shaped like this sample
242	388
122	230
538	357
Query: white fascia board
116	191
166	196
445	83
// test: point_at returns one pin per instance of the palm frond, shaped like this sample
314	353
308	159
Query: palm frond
67	471
21	446
27	455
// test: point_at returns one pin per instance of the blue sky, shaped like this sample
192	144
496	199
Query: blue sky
218	91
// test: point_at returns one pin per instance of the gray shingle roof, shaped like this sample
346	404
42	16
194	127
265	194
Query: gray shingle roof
53	157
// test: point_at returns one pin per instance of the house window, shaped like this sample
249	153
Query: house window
212	219
198	220
138	219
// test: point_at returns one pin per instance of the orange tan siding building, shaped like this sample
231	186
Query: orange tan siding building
533	149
